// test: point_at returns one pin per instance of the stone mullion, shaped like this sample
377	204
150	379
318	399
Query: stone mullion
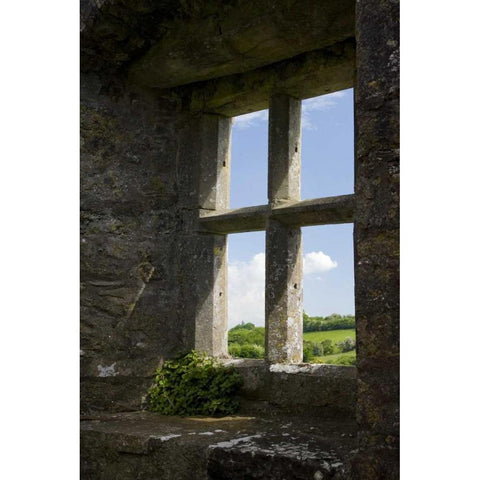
283	284
210	287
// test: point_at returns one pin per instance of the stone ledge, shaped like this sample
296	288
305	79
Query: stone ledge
146	445
315	369
324	391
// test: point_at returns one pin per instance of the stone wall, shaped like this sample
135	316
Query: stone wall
377	238
320	391
129	223
147	269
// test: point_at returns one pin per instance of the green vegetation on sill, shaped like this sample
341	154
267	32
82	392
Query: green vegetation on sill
195	384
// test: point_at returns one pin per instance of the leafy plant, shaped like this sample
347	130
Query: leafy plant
195	384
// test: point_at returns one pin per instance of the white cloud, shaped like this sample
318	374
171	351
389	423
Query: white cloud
317	262
250	119
324	102
246	291
246	285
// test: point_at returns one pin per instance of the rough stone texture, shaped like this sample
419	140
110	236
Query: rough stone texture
377	238
214	188
203	166
283	267
211	323
320	211
238	36
151	274
283	293
327	391
151	446
284	149
177	42
307	75
129	320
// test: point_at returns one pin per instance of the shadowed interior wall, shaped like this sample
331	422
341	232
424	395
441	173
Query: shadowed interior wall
377	238
143	255
129	227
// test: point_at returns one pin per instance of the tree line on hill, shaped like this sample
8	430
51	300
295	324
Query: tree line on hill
332	322
245	340
327	347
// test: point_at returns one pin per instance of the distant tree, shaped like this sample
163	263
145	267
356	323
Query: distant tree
332	322
327	347
244	336
307	351
246	350
317	349
346	345
243	325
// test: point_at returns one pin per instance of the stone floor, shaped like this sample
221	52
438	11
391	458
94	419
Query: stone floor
142	445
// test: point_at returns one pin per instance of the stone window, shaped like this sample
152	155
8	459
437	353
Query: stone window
281	219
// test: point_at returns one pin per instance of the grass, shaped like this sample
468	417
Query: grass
334	335
337	358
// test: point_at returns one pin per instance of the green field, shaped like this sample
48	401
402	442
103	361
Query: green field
337	358
248	341
334	335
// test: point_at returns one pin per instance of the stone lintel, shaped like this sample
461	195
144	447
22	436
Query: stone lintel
319	211
237	37
307	75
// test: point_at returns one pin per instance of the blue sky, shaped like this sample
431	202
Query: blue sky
327	170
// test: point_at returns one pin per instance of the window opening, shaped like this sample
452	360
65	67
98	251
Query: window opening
246	295
327	145
328	295
248	176
280	220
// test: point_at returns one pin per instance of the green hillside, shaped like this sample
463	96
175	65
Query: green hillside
334	335
325	342
347	358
